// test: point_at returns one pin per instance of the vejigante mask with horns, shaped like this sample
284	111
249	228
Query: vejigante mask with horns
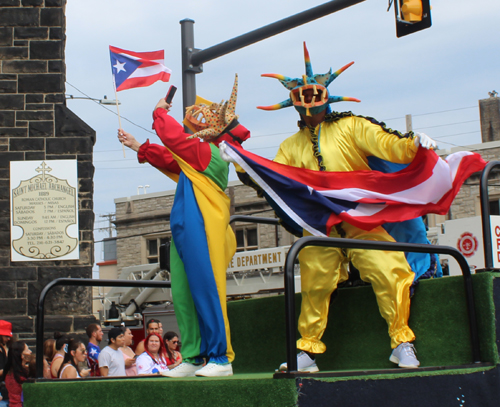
309	94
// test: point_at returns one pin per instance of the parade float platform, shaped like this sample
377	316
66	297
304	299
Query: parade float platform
355	370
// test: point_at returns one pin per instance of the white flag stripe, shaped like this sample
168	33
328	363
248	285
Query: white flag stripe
149	71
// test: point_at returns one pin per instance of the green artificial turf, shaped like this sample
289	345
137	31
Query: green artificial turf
194	392
356	336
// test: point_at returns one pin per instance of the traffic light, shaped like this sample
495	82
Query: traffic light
412	16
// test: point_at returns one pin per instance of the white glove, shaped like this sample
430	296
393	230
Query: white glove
223	154
425	141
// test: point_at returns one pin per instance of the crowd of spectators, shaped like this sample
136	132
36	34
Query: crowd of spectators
68	358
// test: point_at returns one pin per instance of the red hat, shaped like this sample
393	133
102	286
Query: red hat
5	328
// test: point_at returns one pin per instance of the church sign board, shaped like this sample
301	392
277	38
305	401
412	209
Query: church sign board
44	210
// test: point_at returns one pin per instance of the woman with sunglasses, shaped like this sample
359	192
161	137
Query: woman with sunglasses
172	345
77	353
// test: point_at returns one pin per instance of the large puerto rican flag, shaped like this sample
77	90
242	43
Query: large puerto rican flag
137	69
317	200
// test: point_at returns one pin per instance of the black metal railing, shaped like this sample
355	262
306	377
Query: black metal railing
80	282
368	245
485	215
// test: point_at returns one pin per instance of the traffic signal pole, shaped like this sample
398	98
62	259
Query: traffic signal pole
193	59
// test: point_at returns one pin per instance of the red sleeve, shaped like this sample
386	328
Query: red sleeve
196	153
158	156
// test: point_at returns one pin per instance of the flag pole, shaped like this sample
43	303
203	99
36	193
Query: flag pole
118	111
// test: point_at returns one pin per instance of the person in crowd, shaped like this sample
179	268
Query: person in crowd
128	354
111	361
174	358
49	351
152	326
154	358
77	353
5	337
160	329
16	372
61	346
94	332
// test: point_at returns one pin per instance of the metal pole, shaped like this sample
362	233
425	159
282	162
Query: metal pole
270	30
485	214
188	73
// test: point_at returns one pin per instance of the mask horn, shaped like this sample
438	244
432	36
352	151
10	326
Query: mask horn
277	106
307	61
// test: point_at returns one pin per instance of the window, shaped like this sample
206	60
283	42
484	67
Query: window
247	239
153	248
495	207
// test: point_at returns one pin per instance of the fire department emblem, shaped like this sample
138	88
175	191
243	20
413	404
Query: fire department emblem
467	244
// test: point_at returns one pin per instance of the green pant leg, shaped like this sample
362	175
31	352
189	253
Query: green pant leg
185	311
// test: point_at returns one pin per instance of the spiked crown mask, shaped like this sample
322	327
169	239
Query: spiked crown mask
208	120
317	83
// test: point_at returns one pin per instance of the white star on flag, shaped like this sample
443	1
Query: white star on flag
119	67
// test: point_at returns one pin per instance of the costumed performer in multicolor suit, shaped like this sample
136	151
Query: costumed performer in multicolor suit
203	243
345	142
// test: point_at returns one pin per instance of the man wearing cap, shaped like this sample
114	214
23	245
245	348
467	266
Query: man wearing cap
5	336
111	361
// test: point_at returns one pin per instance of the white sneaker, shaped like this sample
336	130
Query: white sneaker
304	364
215	370
185	369
405	355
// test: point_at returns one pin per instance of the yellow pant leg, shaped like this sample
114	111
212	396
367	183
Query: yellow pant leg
321	269
391	278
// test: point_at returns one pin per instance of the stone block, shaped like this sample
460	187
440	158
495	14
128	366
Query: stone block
13	132
35	98
84	157
51	17
57	66
9	3
11	102
35	155
56	33
13	53
58	323
22	292
21	43
8	86
31	33
8	77
25	66
8	156
17	306
85	185
19	17
61	157
26	144
33	115
40	83
7	290
86	219
6	36
68	145
21	324
7	119
21	123
32	3
85	169
39	106
41	129
80	323
46	50
56	98
54	3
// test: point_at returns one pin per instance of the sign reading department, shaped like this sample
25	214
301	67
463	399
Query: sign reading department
44	210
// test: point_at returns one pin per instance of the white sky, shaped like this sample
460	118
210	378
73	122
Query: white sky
447	67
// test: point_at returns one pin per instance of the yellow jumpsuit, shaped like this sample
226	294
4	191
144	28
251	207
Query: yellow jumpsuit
344	145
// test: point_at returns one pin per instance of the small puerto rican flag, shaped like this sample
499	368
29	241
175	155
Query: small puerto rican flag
137	69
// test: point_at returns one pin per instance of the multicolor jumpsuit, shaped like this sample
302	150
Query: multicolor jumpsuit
202	241
345	145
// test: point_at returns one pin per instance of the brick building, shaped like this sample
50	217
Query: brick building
35	124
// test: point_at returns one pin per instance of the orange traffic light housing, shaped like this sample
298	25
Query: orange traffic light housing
412	16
